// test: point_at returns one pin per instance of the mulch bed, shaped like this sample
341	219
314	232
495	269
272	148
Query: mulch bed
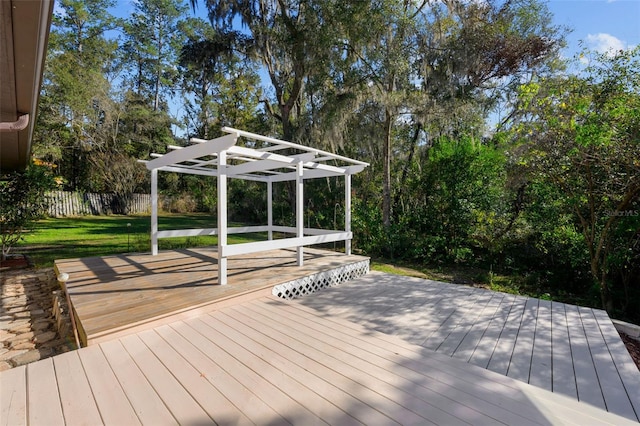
14	261
633	346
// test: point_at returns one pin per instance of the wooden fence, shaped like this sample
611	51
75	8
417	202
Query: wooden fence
63	203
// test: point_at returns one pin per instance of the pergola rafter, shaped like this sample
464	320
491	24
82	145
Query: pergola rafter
222	158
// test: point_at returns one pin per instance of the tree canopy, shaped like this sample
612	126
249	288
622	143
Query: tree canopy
549	192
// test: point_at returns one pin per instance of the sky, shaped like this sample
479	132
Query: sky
599	24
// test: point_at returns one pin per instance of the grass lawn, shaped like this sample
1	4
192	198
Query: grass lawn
87	236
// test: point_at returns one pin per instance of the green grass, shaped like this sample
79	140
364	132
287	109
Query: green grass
87	236
513	284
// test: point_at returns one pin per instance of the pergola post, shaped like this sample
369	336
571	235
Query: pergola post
300	210
270	209
347	211
222	217
154	212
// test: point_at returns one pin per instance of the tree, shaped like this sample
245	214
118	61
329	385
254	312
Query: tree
151	47
432	69
23	200
75	107
582	135
219	82
293	40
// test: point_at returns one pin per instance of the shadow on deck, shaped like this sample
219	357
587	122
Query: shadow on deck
118	295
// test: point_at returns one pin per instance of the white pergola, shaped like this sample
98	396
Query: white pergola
222	158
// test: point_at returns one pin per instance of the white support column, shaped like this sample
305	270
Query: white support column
222	216
347	211
270	209
300	210
154	212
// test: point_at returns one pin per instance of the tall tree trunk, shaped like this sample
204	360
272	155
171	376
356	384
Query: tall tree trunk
407	165
599	274
386	182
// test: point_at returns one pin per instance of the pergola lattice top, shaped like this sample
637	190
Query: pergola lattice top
262	159
264	163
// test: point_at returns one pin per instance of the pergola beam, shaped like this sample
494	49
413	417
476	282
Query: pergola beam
193	151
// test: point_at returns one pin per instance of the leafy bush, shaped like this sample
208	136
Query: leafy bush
23	200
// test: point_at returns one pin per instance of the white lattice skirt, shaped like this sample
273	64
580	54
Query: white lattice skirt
315	282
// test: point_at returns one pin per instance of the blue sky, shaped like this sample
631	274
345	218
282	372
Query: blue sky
599	24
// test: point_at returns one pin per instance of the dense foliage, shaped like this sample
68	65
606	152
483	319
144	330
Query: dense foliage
549	192
23	200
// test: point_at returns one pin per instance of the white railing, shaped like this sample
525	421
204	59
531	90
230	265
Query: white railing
310	236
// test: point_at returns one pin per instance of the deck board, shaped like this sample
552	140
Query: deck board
42	394
116	295
183	407
78	404
147	404
269	361
504	391
502	354
553	346
486	346
564	377
613	390
353	357
540	373
13	396
627	369
218	407
586	377
110	399
225	382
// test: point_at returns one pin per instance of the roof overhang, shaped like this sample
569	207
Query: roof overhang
269	160
24	32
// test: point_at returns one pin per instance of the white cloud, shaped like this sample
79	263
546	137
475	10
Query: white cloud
605	43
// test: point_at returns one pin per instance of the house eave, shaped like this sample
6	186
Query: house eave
24	33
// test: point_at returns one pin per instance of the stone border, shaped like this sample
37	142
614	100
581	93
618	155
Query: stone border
29	330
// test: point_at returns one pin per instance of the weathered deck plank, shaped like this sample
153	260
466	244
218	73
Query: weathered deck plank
116	295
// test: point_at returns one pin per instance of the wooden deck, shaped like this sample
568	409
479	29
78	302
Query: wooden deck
268	361
570	350
117	295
